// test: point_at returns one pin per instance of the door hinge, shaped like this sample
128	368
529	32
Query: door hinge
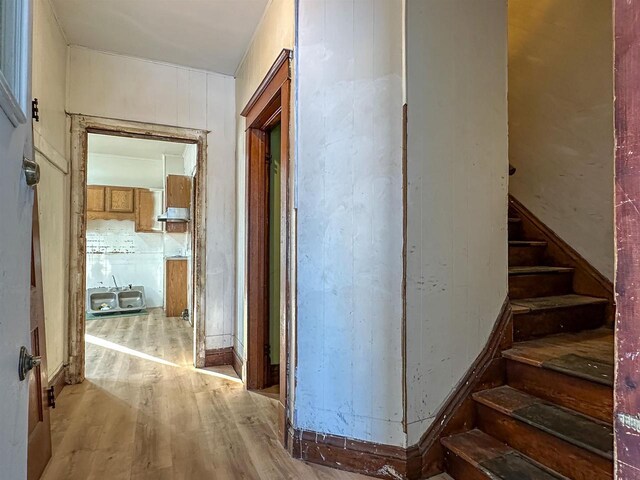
35	113
51	397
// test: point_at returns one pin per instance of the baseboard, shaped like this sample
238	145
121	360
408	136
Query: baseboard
587	280
427	457
58	381
274	374
237	363
218	356
373	459
457	413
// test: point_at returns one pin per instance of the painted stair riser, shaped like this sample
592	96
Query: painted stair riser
540	323
583	396
569	460
540	285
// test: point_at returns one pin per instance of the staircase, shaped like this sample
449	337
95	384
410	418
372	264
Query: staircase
552	419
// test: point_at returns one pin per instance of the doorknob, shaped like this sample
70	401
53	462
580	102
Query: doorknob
31	171
26	362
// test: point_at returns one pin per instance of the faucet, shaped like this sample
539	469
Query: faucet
114	281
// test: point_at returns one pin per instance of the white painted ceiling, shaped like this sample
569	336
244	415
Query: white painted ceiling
206	34
132	147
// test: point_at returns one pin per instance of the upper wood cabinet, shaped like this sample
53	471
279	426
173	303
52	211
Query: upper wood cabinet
148	207
110	203
95	198
178	195
119	199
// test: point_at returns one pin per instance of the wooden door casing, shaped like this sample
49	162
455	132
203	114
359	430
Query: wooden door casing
269	105
39	446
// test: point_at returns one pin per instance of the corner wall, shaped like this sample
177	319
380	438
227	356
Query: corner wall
561	137
349	219
50	141
116	86
457	171
274	33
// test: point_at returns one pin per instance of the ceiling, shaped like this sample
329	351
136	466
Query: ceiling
132	147
206	34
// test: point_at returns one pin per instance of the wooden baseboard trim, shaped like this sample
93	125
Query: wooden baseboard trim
218	356
376	460
58	381
237	363
586	280
457	413
427	457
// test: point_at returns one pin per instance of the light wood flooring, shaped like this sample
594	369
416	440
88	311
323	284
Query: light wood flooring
145	413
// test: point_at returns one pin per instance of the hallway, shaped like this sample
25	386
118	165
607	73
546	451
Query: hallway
145	413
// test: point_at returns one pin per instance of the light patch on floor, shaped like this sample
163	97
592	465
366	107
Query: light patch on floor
144	412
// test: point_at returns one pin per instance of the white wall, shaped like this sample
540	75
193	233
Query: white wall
114	248
349	203
274	33
122	171
128	88
457	193
561	137
50	140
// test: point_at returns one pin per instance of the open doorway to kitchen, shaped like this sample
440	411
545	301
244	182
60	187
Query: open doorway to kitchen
137	258
138	241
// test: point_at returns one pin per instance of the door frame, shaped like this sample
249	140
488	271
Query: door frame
81	126
627	229
269	105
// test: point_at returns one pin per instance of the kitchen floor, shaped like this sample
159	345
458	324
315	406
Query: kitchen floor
144	412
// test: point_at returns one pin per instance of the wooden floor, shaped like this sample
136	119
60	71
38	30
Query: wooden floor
145	413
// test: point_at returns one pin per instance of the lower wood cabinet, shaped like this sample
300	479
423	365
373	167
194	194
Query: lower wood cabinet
176	286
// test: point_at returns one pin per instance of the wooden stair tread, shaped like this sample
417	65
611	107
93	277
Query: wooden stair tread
526	305
514	220
536	270
495	459
574	428
587	354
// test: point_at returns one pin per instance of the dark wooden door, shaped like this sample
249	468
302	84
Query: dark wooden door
39	450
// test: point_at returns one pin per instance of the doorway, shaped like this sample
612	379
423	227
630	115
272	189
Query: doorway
138	238
137	260
269	216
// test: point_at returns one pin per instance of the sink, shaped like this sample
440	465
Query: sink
105	301
131	299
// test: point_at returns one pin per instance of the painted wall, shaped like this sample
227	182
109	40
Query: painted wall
117	86
349	82
122	171
561	120
275	32
50	140
457	193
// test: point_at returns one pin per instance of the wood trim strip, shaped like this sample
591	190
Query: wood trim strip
586	279
627	198
427	457
284	56
457	413
58	381
218	356
367	458
237	363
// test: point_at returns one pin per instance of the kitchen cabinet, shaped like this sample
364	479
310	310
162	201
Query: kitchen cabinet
178	195
95	198
176	286
119	199
148	205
